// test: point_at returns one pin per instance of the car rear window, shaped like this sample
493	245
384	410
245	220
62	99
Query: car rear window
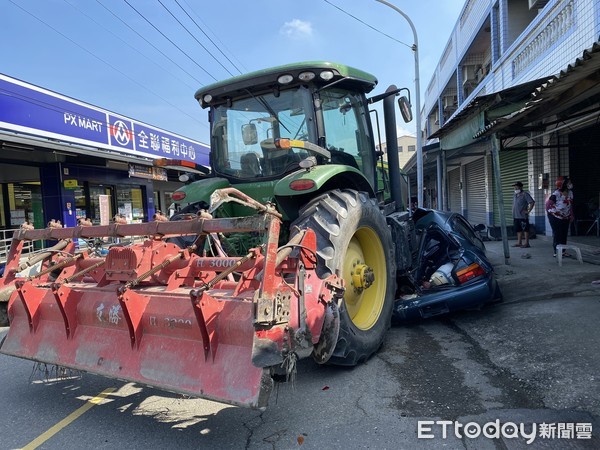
462	227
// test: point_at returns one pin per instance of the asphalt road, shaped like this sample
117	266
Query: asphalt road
532	361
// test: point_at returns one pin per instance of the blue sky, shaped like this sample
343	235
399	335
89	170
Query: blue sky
105	53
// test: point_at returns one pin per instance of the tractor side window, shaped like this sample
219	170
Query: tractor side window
346	130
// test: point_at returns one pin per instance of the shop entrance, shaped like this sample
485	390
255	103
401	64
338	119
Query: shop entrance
130	203
99	208
21	202
20	196
584	167
98	201
162	201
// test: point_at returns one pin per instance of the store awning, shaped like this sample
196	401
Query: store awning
494	105
573	94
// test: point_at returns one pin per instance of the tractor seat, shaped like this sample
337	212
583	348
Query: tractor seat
338	157
250	165
277	160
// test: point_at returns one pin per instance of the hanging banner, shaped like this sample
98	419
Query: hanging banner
147	172
104	202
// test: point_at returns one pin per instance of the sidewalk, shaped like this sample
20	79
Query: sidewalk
539	276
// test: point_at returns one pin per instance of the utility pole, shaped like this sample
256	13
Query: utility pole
415	49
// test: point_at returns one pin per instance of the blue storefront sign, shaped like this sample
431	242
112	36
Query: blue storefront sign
29	109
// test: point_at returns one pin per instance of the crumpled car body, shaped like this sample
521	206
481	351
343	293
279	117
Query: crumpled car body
451	270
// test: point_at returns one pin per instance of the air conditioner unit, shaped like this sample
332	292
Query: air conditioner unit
537	4
468	73
479	75
449	101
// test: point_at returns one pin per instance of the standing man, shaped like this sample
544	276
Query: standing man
522	205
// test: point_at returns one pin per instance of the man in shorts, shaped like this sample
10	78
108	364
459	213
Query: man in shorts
522	205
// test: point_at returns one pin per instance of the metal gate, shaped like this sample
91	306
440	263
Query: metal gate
476	194
454	201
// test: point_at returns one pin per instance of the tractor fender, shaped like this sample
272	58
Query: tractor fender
325	178
200	191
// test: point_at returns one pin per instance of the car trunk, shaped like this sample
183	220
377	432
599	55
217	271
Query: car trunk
449	275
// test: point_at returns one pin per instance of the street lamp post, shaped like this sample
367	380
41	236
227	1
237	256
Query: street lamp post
415	49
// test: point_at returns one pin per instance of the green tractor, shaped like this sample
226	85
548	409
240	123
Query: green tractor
300	137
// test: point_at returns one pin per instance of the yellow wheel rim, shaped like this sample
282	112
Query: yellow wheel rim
364	305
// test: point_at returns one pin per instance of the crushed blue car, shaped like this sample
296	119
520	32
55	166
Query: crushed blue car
451	270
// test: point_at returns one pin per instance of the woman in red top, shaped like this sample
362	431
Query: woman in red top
560	211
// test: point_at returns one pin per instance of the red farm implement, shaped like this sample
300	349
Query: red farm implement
155	313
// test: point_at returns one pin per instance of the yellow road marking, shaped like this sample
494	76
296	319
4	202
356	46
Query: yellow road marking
67	420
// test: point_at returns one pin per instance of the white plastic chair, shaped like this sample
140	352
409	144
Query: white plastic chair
561	247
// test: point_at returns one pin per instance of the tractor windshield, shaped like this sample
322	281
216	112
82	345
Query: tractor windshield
244	131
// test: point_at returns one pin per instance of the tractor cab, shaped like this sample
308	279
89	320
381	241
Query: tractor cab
287	134
247	133
270	124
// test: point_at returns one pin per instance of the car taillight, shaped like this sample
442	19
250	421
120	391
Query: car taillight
470	272
177	196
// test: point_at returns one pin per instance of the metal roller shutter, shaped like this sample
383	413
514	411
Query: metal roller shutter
513	167
476	195
454	191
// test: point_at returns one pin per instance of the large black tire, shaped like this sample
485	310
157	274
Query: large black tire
351	231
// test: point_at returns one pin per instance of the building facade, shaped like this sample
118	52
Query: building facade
63	159
515	97
407	144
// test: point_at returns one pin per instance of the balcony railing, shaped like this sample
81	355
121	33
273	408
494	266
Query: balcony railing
558	27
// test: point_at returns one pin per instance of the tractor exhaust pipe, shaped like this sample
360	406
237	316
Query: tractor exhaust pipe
391	138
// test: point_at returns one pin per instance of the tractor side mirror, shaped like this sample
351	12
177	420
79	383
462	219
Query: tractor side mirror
405	109
249	134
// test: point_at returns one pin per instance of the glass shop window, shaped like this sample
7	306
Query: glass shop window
130	203
25	202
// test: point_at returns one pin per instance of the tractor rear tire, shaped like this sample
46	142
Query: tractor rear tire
351	231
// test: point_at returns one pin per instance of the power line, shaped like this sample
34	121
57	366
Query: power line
208	37
216	36
194	37
370	26
105	62
149	43
167	38
124	41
